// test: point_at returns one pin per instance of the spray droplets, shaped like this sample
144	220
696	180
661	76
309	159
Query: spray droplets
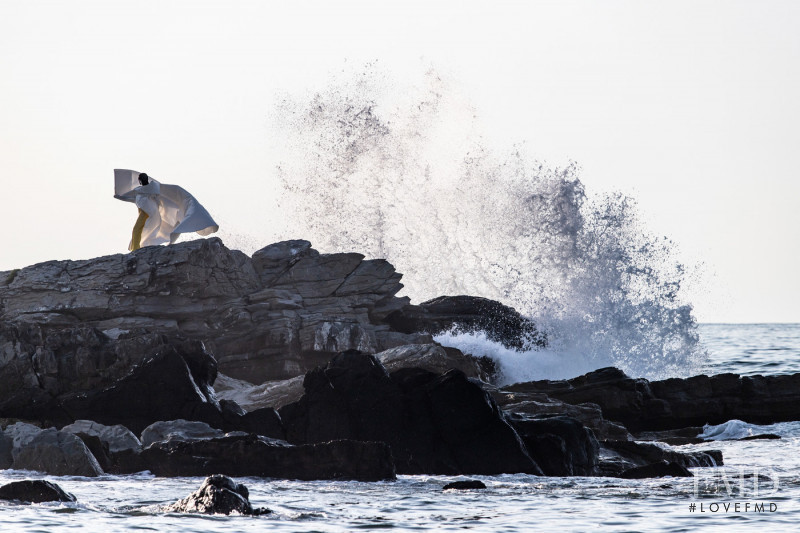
404	176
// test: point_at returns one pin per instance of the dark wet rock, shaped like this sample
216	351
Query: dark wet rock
6	446
560	445
465	485
659	469
218	495
435	424
57	453
98	448
499	322
641	405
616	457
34	491
762	436
674	437
173	384
538	404
250	455
161	388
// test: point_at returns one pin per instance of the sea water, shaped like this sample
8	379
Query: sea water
756	473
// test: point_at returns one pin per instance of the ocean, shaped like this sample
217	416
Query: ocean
759	486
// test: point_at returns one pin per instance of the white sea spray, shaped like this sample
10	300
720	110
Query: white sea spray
401	172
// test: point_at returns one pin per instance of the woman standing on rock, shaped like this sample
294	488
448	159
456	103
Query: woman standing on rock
165	211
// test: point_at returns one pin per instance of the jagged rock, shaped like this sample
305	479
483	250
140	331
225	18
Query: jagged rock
271	317
98	449
184	430
34	491
659	469
217	495
21	433
435	424
560	445
250	455
501	323
56	453
431	357
465	485
674	403
161	388
117	437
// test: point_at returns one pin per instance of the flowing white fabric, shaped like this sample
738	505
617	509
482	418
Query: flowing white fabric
171	209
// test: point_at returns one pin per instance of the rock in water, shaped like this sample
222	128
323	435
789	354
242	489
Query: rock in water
465	485
217	495
34	491
659	469
561	445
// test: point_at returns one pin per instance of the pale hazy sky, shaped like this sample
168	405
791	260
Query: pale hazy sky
691	107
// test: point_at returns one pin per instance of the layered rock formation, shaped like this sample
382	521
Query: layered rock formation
80	325
642	405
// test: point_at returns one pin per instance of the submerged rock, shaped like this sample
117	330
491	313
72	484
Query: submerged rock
217	495
34	491
465	485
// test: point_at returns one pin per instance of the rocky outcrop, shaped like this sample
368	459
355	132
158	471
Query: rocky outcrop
34	491
69	326
471	314
217	495
434	424
641	405
250	455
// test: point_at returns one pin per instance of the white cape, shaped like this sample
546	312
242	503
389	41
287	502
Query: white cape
171	209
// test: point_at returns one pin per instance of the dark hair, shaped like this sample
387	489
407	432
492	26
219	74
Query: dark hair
143	178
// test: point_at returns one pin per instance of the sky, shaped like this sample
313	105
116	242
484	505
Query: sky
690	107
